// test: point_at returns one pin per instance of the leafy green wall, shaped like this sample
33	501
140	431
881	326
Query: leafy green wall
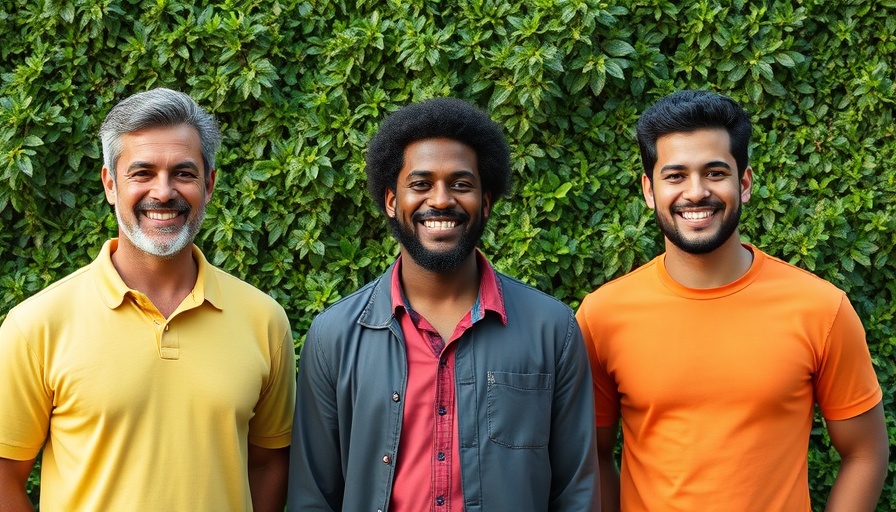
299	87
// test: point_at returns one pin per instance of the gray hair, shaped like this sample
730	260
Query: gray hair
157	108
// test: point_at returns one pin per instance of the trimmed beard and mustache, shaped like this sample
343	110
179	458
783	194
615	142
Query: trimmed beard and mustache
438	261
703	245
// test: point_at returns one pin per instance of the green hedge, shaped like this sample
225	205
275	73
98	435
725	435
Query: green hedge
300	86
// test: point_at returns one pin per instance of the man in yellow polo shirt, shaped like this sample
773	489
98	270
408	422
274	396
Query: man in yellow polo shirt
151	379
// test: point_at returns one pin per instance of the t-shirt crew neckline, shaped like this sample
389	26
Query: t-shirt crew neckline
712	293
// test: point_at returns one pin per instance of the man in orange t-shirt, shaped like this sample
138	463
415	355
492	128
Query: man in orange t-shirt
714	354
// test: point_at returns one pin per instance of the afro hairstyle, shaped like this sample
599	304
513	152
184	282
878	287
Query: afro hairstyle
449	118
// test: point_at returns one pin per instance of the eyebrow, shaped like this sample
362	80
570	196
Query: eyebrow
422	173
147	165
708	165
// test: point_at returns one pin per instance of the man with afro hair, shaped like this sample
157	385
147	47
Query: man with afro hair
443	385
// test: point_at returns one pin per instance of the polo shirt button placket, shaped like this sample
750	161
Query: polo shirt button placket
440	501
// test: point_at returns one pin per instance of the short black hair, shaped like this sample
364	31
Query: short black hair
690	110
450	118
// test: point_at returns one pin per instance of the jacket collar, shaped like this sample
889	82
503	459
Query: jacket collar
377	314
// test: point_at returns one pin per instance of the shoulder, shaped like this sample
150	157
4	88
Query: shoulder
516	291
369	305
234	289
634	283
803	280
69	291
351	306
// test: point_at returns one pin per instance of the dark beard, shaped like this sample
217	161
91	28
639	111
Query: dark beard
444	261
703	245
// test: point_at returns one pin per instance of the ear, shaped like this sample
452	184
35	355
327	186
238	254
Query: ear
746	185
486	205
108	185
647	190
210	184
390	202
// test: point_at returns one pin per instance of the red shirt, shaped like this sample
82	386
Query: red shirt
427	473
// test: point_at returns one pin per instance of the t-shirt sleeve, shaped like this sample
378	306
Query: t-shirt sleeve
846	384
606	393
271	427
26	400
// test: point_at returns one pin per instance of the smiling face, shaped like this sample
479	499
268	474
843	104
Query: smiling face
160	189
438	210
696	191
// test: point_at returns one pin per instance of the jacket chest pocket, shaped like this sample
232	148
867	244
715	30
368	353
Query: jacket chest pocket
519	409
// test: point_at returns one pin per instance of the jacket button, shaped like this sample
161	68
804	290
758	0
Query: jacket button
395	396
386	459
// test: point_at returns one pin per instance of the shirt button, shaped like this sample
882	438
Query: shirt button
386	459
441	456
440	501
395	396
442	410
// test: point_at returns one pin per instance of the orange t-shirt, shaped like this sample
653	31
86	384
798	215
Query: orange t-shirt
716	387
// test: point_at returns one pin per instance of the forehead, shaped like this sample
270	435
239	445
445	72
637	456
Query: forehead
439	155
713	143
181	139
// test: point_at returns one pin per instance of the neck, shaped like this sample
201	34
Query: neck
711	270
165	281
425	286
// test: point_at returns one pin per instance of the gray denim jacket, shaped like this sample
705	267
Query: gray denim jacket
524	401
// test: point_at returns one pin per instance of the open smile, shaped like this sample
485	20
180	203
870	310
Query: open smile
156	215
696	214
440	224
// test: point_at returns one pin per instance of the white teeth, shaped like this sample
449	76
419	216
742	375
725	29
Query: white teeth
161	215
696	215
437	224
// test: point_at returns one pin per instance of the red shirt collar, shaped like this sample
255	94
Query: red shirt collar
490	297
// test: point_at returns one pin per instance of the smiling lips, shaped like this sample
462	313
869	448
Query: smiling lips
162	215
440	224
696	214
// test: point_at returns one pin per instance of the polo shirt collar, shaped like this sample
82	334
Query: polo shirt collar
113	290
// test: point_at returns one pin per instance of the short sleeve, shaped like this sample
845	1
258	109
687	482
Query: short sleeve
846	384
606	392
26	400
271	427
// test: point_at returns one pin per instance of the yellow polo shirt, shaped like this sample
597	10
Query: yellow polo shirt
139	412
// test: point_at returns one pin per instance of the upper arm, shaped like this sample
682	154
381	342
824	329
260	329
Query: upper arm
13	479
268	468
863	436
15	472
268	457
572	449
315	466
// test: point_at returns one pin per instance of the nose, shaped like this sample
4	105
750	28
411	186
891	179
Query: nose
440	197
162	189
696	190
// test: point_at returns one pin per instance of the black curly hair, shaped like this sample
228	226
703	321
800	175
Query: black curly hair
450	118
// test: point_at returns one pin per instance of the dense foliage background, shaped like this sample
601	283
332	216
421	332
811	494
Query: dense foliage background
300	86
